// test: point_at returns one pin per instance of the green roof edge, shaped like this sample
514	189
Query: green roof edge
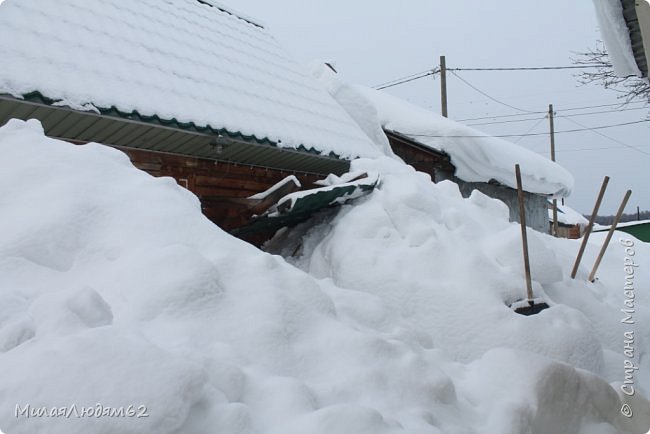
36	96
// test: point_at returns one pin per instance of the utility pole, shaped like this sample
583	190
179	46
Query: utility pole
556	228
638	213
443	85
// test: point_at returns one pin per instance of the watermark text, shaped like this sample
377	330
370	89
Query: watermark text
73	411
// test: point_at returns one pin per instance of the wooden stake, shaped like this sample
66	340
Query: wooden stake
556	227
592	219
524	236
609	235
443	85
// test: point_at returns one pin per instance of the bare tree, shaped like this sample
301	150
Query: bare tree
630	88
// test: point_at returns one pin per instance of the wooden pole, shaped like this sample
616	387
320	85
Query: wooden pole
609	235
638	213
550	120
524	236
592	219
443	85
556	228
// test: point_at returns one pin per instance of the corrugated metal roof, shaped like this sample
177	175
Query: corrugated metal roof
113	129
192	63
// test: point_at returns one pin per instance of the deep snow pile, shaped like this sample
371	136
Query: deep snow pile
116	290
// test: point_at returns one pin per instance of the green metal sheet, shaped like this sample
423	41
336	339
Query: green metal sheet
305	207
640	230
130	130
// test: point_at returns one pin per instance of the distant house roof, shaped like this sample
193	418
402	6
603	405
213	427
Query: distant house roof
568	215
477	157
625	28
639	229
192	64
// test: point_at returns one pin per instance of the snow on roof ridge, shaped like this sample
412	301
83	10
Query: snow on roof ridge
227	9
477	157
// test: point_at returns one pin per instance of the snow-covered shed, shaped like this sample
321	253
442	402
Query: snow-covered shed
446	149
625	28
187	88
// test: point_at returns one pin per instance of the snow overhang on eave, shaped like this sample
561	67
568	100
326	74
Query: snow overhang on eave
113	128
642	8
636	14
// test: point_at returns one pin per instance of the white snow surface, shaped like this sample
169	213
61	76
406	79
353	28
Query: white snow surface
632	223
116	290
276	187
567	215
478	157
616	37
234	12
177	59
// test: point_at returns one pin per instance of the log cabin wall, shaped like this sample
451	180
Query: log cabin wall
422	159
212	181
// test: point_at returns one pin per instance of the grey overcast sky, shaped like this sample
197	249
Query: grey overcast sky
372	42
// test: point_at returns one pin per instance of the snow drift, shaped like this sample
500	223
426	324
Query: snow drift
116	291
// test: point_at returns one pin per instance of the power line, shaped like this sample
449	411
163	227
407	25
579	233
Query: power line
598	149
532	134
491	97
603	111
406	79
601	105
608	137
505	122
565	116
436	70
532	68
559	110
530	129
498	116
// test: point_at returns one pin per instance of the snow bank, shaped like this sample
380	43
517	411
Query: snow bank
476	156
616	37
116	290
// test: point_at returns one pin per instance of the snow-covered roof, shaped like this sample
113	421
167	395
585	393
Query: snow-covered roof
192	61
477	157
630	223
626	54
568	215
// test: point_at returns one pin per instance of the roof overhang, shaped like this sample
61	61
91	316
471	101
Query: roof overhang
133	131
396	135
443	158
637	18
